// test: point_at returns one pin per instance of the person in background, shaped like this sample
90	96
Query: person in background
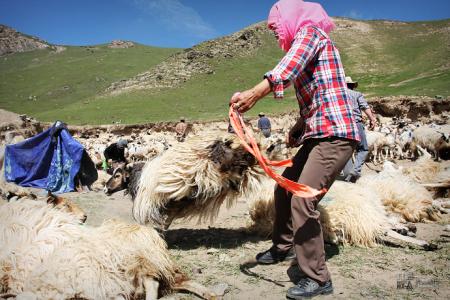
264	125
326	129
115	153
180	130
352	170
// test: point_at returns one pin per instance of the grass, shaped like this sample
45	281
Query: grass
70	78
405	59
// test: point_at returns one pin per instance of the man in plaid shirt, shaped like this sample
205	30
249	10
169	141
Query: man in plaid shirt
326	129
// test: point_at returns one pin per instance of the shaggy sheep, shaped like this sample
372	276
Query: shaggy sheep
192	179
261	205
103	263
15	212
29	232
50	256
425	170
400	194
349	214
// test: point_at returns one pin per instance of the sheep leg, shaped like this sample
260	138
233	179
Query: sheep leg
151	288
196	289
401	239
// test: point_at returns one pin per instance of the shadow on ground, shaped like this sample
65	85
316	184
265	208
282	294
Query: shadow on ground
222	238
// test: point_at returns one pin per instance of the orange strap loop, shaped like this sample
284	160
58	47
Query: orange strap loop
247	138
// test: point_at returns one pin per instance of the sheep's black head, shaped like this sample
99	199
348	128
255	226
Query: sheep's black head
230	155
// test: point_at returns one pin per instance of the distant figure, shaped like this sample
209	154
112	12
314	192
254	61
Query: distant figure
264	125
180	130
352	170
115	153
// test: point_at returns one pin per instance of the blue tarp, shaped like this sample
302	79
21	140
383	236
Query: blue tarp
50	160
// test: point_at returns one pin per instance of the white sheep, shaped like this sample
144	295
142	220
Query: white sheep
349	214
425	170
105	262
435	140
192	179
376	141
51	256
400	194
29	232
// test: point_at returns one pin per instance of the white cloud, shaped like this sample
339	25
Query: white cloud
354	14
176	16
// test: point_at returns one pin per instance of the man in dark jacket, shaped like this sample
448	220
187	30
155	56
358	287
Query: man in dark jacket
116	151
264	125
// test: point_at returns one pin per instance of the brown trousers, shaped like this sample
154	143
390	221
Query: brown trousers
316	164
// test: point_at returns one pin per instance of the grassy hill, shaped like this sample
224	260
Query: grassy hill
387	58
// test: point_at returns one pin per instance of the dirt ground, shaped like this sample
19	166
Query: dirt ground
221	257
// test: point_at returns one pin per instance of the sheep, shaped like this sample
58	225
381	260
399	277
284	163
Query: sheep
58	259
376	141
103	263
425	170
349	214
261	205
404	141
192	179
435	140
125	178
352	215
400	194
30	231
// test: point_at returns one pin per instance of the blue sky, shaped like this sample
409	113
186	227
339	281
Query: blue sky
179	23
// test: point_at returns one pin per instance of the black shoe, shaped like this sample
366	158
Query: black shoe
307	288
294	273
272	256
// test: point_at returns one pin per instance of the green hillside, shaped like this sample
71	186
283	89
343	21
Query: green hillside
44	82
387	58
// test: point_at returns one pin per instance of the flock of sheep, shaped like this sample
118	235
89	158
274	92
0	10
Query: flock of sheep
48	254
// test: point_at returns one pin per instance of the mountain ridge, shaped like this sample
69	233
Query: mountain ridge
139	84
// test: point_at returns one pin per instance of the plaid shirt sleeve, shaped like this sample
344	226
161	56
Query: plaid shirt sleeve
302	51
362	103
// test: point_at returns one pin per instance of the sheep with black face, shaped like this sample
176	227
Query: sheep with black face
193	179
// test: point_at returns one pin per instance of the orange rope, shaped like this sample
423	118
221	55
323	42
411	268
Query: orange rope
247	138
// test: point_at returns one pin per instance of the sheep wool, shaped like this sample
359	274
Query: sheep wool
103	263
400	194
29	232
191	179
349	214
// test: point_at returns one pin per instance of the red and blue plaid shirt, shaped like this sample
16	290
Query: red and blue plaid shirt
314	67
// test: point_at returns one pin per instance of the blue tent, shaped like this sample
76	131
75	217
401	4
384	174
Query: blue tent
50	160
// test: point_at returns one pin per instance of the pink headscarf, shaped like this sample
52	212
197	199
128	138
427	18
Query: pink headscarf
287	17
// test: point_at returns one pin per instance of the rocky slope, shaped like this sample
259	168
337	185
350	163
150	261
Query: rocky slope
12	41
196	60
359	41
